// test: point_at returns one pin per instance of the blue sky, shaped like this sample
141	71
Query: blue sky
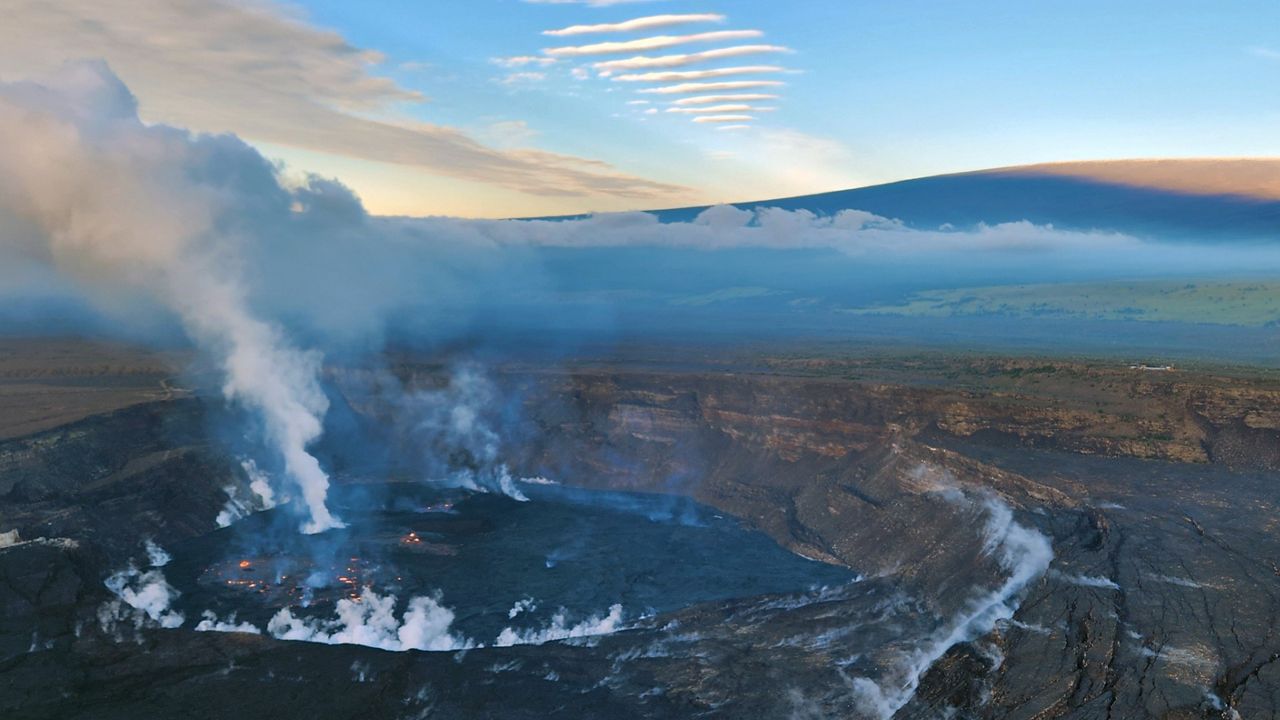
873	92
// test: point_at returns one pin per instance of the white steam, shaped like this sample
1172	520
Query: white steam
211	623
127	207
259	484
560	629
1092	581
261	497
453	427
149	593
156	555
1022	552
146	594
522	606
370	620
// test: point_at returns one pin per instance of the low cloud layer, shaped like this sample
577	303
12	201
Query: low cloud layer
854	232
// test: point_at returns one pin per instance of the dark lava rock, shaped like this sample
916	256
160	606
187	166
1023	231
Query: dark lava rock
1162	601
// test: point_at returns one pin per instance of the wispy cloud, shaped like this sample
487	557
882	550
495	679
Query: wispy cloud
641	62
689	88
225	66
736	97
1265	53
734	127
511	133
657	42
679	75
516	78
701	110
723	118
523	61
652	22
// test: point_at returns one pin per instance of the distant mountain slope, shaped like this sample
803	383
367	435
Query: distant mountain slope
1171	199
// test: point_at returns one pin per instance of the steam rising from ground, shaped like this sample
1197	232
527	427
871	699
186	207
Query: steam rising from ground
211	623
143	596
453	422
560	629
147	592
260	496
125	207
1023	553
156	555
370	620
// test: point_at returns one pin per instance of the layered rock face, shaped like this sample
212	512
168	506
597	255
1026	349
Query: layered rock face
1162	599
1157	494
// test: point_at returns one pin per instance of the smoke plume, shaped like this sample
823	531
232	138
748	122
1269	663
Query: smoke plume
126	208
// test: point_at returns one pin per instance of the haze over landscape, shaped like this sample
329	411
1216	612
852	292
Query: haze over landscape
639	359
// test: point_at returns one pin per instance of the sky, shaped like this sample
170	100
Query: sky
502	108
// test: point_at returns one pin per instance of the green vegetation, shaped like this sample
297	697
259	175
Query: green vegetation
1247	303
